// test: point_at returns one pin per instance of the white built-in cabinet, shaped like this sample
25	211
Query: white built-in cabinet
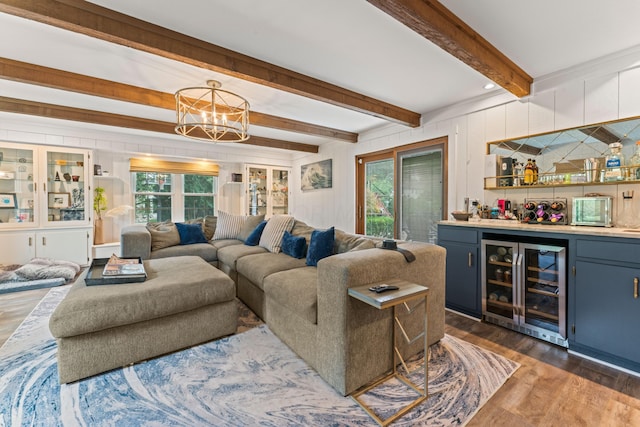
44	203
267	190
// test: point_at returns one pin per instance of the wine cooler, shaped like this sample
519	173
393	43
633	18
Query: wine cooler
524	288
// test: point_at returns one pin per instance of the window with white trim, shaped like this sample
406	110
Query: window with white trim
165	190
162	196
152	196
198	195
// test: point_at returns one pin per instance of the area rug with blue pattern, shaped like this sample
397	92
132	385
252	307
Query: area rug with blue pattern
247	379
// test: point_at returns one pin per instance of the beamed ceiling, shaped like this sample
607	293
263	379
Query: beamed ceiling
313	71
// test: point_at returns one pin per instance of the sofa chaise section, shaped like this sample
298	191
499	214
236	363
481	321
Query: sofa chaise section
253	269
349	344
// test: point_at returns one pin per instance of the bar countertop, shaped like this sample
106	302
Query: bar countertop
506	224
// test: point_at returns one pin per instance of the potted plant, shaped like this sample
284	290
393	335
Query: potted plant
99	205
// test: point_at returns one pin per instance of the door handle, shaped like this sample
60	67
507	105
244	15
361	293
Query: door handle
635	288
44	241
30	241
470	259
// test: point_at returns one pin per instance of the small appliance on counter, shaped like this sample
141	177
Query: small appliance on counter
545	212
595	210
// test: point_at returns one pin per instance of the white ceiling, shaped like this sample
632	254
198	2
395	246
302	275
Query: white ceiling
350	44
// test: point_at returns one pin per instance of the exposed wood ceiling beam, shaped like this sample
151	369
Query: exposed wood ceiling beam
35	74
95	21
432	20
19	106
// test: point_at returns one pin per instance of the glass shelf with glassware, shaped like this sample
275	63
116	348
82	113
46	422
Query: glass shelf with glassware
553	179
595	154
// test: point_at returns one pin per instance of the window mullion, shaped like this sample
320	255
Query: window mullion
177	190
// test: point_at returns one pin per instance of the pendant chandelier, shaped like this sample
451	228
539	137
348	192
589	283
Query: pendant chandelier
211	114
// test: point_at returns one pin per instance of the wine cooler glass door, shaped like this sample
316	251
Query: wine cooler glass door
499	278
544	288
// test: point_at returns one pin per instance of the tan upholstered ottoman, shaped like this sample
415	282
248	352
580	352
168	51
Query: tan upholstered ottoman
184	301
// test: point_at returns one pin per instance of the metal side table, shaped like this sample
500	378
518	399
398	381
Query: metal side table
398	299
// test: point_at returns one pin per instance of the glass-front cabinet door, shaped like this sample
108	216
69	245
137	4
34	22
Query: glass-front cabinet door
257	190
66	179
279	191
42	186
267	190
544	288
499	274
18	178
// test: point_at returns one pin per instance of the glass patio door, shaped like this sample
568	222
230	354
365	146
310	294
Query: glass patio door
401	192
379	198
421	200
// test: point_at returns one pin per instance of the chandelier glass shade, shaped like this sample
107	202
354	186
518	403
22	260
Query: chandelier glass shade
211	114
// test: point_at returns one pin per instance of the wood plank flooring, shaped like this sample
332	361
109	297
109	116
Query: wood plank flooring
551	388
14	307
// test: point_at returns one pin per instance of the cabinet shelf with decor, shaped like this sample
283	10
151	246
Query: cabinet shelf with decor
267	190
44	203
549	180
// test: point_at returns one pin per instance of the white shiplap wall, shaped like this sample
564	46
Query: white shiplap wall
603	90
592	93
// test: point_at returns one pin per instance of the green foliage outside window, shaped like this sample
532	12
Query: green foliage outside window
198	196
151	205
154	196
379	226
379	220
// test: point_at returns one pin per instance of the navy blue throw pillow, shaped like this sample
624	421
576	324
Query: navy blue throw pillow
254	238
320	246
293	245
190	233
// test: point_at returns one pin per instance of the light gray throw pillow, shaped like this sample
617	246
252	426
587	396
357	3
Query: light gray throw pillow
271	238
229	226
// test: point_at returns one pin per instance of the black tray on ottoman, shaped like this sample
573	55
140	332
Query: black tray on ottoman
95	277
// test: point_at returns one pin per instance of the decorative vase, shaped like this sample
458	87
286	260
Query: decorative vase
98	232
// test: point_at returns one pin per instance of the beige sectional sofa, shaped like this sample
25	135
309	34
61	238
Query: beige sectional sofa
345	340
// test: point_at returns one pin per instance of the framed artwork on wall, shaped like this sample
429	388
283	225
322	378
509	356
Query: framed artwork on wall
8	200
314	176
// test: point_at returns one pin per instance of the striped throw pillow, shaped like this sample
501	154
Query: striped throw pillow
228	226
273	232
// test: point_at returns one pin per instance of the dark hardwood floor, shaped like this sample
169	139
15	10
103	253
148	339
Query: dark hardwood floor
551	388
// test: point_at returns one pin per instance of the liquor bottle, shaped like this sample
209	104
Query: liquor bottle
535	171
528	173
614	163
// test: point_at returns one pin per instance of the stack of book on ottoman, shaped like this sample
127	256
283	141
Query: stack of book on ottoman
115	270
